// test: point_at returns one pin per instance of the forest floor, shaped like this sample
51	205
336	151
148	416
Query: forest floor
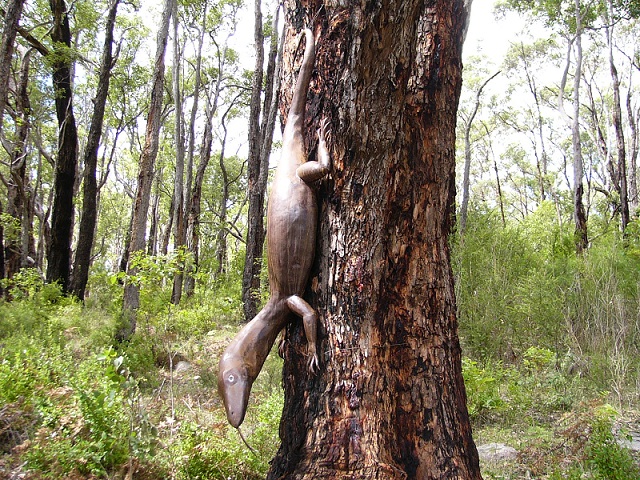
73	407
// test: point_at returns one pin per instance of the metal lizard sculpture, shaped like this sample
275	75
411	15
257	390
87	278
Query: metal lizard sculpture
291	236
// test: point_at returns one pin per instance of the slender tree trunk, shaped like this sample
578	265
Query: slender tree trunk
579	213
633	157
194	111
499	191
580	216
7	46
618	127
90	187
189	279
43	216
16	246
179	233
3	292
59	251
131	300
389	401
152	241
193	227
124	259
542	160
221	240
260	140
467	157
255	227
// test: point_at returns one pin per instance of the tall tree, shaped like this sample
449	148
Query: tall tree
569	16
7	46
221	82
19	204
59	248
468	123
620	180
90	185
131	300
260	138
579	212
179	234
389	400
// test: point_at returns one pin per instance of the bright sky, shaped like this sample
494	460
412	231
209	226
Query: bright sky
490	35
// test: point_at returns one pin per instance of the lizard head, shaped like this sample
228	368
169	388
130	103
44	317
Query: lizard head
234	386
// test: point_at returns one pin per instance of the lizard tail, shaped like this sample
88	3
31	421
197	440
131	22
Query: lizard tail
298	103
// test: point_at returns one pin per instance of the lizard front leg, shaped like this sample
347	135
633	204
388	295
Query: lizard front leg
310	321
311	171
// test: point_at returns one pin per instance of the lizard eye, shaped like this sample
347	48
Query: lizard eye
231	378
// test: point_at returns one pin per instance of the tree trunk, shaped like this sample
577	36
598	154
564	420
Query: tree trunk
131	300
579	214
467	156
193	220
255	227
16	246
221	240
179	233
260	139
7	46
59	250
189	280
2	273
90	187
389	401
618	127
633	156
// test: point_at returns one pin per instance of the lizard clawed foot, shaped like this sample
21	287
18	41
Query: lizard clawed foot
281	347
324	133
312	363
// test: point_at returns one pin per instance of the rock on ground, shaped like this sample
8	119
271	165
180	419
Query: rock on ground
496	452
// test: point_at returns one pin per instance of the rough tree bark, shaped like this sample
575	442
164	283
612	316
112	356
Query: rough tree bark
131	300
189	281
621	181
90	186
195	207
59	248
7	46
18	199
180	232
389	401
2	275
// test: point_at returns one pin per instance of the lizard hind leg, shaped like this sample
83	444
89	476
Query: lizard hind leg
310	322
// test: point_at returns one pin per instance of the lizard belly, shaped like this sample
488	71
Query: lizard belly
291	232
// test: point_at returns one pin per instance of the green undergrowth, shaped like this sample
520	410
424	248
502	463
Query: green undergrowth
74	404
550	342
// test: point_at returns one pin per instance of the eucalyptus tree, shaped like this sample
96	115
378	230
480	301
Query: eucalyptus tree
216	78
88	220
62	215
7	45
178	201
131	299
468	124
261	123
388	401
17	245
569	18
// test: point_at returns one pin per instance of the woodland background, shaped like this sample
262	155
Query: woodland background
549	312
